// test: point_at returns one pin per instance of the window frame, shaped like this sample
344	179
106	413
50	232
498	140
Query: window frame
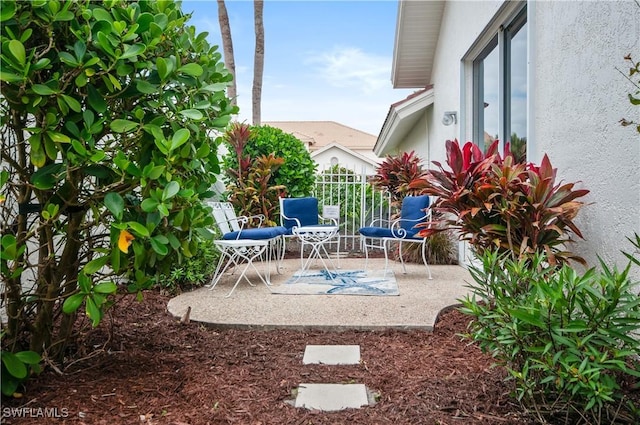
497	35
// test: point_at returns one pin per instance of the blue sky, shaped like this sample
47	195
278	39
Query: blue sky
324	60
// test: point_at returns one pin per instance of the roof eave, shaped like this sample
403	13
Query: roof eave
400	119
417	32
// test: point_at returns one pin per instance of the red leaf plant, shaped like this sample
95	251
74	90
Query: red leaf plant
495	202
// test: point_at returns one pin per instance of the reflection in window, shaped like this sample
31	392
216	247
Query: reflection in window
500	89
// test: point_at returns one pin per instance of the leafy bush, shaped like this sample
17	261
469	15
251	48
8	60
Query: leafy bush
567	340
297	172
106	112
498	203
250	187
193	271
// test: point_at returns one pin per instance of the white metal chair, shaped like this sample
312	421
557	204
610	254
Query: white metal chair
304	213
240	245
415	210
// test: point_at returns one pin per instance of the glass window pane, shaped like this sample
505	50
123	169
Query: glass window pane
491	94
518	93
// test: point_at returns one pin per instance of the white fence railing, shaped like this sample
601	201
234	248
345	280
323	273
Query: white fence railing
359	202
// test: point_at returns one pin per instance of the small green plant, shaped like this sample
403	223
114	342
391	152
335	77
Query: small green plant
192	271
634	97
495	202
16	368
568	340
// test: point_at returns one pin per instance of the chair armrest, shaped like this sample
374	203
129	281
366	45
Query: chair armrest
324	219
380	222
399	232
248	218
284	217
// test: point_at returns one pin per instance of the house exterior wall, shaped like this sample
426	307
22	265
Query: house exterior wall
579	99
576	99
417	139
351	162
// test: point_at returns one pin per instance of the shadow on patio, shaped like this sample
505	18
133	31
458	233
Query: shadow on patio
417	307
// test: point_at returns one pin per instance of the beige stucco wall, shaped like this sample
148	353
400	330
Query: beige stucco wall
577	98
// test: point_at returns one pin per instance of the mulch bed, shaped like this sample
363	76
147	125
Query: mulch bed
148	368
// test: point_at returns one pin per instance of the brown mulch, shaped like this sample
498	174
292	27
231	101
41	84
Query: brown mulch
155	370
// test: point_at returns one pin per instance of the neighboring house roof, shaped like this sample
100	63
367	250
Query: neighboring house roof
401	118
417	31
347	151
322	133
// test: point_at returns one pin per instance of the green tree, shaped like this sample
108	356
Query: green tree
106	118
296	174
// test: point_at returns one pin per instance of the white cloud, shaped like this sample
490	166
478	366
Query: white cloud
352	67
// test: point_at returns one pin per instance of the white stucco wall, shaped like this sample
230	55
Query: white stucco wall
579	99
323	159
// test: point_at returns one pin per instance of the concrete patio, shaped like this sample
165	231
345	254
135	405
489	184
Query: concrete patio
417	307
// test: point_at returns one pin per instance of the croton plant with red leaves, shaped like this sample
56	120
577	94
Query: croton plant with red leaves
497	203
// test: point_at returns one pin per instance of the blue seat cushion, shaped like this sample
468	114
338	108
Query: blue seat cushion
304	209
413	208
259	233
383	232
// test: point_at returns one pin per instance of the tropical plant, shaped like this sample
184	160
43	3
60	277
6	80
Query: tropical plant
396	173
568	340
250	187
498	203
106	114
296	174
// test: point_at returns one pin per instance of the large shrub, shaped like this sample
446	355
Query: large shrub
568	340
297	172
497	203
106	112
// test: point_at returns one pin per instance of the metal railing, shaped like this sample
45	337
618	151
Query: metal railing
359	203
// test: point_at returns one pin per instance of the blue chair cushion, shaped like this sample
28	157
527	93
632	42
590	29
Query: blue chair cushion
304	209
383	232
259	233
413	208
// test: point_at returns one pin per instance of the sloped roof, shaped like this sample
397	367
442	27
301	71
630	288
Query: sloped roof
322	133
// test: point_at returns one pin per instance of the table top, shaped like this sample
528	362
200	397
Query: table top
315	229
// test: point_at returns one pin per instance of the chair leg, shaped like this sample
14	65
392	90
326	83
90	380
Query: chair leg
366	252
386	256
404	268
424	258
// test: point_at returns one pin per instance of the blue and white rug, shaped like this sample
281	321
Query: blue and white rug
343	282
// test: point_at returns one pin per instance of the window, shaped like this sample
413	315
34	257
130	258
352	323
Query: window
500	88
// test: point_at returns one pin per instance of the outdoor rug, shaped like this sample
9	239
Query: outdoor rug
343	282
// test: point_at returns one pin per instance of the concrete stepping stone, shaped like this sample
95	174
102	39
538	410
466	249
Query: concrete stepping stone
332	354
331	397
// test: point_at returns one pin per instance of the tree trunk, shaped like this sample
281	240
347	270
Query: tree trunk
227	49
258	61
